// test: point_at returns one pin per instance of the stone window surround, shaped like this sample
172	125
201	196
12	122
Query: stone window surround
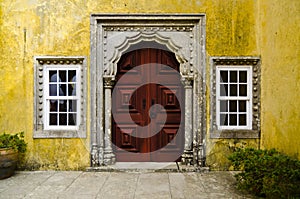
39	65
256	75
114	34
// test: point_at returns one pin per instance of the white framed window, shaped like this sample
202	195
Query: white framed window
60	97
234	97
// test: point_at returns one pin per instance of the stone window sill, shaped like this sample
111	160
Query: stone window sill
227	134
59	134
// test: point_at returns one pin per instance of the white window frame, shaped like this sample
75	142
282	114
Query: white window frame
248	98
47	97
42	64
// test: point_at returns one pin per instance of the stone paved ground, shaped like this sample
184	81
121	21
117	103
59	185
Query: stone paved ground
131	185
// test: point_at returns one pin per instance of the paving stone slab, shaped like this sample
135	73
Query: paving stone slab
127	185
119	185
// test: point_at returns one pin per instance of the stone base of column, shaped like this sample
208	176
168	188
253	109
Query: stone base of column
109	158
94	156
187	158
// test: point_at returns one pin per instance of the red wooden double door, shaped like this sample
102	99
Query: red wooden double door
147	77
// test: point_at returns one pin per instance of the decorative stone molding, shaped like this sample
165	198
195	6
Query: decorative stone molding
237	61
187	82
115	34
40	62
108	82
153	28
60	60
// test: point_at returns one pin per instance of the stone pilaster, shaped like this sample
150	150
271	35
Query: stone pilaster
109	157
187	157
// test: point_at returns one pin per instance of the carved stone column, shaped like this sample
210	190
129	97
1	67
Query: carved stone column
109	157
187	157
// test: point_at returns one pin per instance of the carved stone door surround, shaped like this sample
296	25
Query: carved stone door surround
115	34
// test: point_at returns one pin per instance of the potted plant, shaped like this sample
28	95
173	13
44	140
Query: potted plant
11	148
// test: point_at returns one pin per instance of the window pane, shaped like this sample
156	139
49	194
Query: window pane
53	89
233	76
72	119
223	90
242	105
73	105
63	119
223	105
53	76
232	106
63	76
243	76
53	106
242	120
224	76
232	119
72	89
62	105
242	90
53	119
233	90
62	89
72	75
223	119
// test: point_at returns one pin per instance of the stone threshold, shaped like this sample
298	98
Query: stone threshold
148	167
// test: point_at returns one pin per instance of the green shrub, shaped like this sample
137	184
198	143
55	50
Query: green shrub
15	142
267	173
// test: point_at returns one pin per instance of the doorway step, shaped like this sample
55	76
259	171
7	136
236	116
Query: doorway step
148	167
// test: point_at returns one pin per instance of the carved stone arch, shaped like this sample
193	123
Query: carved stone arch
114	34
131	43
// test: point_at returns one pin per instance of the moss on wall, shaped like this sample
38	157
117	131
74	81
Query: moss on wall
57	154
218	150
280	54
233	28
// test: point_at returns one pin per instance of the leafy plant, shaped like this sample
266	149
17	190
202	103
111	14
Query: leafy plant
267	173
15	141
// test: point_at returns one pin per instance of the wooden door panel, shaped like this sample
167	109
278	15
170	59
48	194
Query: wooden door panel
167	97
127	98
155	68
125	140
166	139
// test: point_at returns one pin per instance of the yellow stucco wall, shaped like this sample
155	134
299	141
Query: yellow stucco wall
280	54
265	28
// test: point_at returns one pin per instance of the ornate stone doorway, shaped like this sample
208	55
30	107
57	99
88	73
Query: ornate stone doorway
114	35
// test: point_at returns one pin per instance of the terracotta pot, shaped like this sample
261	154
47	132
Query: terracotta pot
8	162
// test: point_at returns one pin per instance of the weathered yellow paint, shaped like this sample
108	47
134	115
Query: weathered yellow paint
218	151
265	28
280	52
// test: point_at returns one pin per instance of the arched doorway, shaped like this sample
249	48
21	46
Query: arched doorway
133	144
114	35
